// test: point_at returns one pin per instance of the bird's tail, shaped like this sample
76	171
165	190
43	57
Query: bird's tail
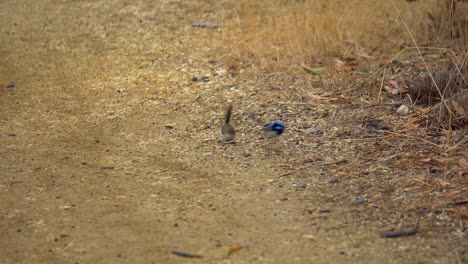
228	114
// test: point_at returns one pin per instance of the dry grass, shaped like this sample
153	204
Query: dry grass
281	34
448	81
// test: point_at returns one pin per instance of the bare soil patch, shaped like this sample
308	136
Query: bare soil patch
111	150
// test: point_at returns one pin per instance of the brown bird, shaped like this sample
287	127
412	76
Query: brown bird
227	131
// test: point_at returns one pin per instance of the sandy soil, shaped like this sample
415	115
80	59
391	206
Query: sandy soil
111	154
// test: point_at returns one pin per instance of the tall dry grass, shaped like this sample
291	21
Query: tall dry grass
283	34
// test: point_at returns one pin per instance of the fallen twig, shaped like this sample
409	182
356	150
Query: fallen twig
287	173
410	232
408	136
185	255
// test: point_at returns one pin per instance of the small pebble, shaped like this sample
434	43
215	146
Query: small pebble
334	180
18	230
300	184
308	236
12	135
194	79
360	201
324	211
204	25
10	85
205	79
40	63
402	110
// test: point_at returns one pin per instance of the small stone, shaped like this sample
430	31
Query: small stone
308	236
40	63
205	79
10	85
12	135
194	79
18	230
334	180
300	184
402	110
360	201
204	25
324	211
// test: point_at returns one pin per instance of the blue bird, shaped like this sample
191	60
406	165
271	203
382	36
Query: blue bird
274	129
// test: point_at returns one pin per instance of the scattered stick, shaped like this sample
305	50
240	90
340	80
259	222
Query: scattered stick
395	234
287	173
185	255
423	182
408	136
381	85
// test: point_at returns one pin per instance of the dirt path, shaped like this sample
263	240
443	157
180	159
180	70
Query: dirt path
110	152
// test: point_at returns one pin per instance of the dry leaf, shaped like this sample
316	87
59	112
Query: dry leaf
346	67
443	183
394	83
455	192
447	160
349	60
312	96
449	133
463	163
234	249
391	90
458	108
